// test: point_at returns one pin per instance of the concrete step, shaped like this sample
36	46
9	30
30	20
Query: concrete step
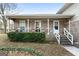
63	37
64	41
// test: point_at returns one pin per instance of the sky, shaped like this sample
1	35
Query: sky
38	8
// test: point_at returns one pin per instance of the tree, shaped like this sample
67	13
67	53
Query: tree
1	25
3	8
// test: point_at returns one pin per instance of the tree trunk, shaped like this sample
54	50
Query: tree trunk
5	24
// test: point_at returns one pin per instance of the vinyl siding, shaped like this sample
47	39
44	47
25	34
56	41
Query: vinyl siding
73	9
74	23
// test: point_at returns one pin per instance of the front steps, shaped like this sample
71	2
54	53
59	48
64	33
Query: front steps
64	40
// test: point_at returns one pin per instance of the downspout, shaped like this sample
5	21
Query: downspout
69	25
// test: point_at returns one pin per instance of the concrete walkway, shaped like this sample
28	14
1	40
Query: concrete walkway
72	49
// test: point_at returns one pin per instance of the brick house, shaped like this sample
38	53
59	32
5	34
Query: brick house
60	25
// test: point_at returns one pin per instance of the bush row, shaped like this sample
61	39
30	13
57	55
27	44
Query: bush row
26	37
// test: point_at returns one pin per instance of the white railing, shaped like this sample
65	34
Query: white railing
68	35
57	36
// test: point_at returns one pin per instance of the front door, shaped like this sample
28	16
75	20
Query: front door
56	26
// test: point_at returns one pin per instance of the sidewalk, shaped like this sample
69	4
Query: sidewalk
72	49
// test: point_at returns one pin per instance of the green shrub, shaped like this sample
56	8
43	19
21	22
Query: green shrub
26	37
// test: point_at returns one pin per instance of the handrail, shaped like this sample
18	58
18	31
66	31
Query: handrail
68	35
57	36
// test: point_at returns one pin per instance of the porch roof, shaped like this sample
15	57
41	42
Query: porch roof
55	16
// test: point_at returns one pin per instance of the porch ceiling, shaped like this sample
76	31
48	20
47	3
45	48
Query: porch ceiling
55	16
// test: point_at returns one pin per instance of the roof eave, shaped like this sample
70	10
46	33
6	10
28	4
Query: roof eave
40	16
66	5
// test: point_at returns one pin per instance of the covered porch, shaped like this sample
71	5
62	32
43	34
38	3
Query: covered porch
52	25
46	23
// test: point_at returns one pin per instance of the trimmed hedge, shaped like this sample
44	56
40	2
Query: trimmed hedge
26	37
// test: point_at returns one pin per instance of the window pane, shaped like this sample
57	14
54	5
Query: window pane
37	26
56	25
22	25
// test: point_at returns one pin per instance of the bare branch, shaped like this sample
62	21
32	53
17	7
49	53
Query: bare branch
3	8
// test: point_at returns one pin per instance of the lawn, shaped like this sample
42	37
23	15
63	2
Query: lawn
47	49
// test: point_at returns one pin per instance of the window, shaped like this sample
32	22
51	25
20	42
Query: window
22	26
56	25
38	25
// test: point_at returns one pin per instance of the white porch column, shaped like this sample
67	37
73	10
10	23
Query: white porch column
69	25
28	25
9	26
48	25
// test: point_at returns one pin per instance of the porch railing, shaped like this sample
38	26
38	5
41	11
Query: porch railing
57	36
68	35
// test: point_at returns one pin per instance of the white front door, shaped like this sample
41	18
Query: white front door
56	26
